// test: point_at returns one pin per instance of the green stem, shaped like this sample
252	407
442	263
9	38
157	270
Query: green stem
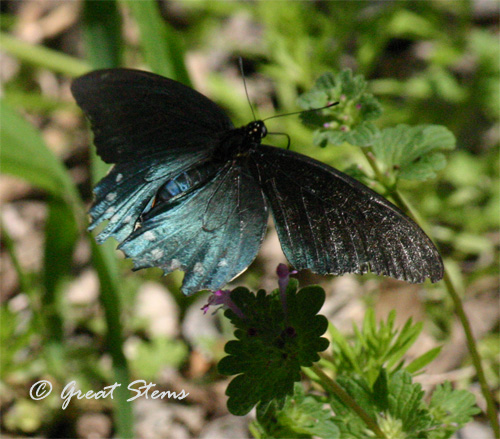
42	56
476	358
455	297
460	312
338	391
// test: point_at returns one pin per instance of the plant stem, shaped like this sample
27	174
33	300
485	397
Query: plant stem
460	312
476	358
338	391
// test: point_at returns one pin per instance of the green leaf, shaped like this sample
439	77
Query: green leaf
104	261
349	121
452	409
376	346
299	417
273	342
151	357
24	154
413	153
363	135
394	401
423	360
406	403
351	426
343	353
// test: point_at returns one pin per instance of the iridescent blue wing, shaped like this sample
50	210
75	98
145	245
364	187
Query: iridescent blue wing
332	224
124	193
136	114
212	233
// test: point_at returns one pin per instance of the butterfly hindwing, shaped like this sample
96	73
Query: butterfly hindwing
332	224
178	237
124	193
135	114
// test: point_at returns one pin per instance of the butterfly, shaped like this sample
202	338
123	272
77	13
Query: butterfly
189	191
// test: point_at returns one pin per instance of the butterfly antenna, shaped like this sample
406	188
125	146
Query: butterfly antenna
300	112
240	60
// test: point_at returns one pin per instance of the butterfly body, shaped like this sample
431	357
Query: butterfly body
190	191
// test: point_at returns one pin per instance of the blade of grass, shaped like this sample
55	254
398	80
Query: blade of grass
104	48
161	45
102	33
61	234
42	56
105	264
24	154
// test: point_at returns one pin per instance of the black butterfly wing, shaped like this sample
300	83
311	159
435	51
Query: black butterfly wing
211	245
135	114
332	224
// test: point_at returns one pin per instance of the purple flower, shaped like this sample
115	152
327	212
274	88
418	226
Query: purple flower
283	280
222	297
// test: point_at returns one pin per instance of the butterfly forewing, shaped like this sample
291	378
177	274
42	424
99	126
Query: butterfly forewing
332	224
135	114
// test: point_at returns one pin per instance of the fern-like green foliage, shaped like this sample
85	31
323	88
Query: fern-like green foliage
377	346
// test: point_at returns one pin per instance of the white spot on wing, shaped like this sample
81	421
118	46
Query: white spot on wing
149	235
222	263
127	219
119	178
110	210
175	264
198	268
156	254
111	196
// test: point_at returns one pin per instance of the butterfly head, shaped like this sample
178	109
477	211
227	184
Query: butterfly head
255	131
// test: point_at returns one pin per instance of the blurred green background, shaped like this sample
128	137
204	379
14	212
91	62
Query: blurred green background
72	310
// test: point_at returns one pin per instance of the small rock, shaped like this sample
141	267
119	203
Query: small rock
93	426
157	305
230	427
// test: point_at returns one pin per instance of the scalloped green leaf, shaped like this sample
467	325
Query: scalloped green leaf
273	342
451	409
406	403
413	153
302	415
